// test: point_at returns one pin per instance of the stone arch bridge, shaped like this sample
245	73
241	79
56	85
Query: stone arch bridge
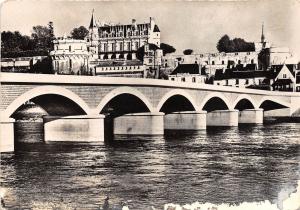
79	107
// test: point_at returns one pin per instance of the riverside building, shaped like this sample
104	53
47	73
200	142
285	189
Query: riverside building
120	41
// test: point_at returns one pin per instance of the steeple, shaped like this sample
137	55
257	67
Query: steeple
262	33
92	23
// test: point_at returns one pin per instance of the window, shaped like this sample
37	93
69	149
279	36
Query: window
237	81
239	61
246	82
213	62
183	79
226	82
172	78
194	79
70	48
113	46
150	60
284	75
70	64
223	62
252	61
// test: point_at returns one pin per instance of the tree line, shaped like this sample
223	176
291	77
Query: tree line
39	43
14	44
225	44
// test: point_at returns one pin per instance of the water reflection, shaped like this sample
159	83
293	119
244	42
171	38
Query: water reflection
248	163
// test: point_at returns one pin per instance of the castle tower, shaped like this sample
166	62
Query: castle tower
93	37
154	37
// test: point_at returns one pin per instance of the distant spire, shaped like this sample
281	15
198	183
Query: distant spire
262	33
92	23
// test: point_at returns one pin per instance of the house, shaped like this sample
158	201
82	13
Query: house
240	76
282	77
242	79
188	73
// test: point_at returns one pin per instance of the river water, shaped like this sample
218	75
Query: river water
232	165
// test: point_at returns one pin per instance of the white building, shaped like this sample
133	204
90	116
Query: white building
283	77
191	73
121	69
70	56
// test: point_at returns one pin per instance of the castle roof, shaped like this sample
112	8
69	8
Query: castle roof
156	29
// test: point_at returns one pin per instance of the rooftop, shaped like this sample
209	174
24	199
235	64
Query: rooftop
188	69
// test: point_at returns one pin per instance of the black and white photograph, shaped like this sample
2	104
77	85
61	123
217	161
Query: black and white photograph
150	105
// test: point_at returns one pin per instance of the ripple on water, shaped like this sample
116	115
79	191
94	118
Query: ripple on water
219	165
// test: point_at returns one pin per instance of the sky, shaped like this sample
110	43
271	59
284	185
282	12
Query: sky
196	25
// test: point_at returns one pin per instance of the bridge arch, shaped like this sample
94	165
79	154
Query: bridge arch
219	97
246	101
270	103
177	93
123	90
43	91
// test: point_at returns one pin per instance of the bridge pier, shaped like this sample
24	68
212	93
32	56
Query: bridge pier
85	128
148	123
223	118
187	120
7	135
251	116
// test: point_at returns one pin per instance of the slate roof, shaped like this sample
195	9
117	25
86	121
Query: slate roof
248	67
188	69
230	74
156	29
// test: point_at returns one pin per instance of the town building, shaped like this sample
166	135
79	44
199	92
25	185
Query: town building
283	77
70	56
120	41
263	56
188	73
121	69
241	76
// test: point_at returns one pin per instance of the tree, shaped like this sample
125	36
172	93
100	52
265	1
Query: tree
43	36
167	48
141	51
79	33
188	52
14	44
225	44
